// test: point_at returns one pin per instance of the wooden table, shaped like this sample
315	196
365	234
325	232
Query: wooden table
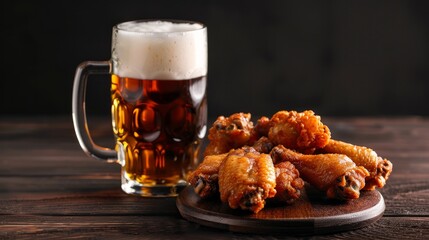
49	189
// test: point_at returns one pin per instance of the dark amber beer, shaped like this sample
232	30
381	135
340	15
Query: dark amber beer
158	103
159	125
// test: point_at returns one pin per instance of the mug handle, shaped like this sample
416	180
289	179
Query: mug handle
83	71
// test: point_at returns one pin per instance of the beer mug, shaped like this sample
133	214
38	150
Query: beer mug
158	102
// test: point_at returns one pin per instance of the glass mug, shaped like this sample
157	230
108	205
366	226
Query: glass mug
158	102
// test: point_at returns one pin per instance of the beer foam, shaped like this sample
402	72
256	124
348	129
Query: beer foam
159	50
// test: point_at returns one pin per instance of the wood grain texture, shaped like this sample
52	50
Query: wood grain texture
175	227
49	189
311	214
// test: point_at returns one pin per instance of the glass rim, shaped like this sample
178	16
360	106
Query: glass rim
119	28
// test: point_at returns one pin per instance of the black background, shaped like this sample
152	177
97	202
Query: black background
338	58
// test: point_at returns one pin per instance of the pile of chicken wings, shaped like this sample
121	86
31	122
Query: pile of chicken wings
246	163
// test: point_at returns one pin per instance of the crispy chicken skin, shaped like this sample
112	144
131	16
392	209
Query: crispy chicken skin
229	133
288	183
336	174
246	179
205	178
263	126
300	131
263	145
379	169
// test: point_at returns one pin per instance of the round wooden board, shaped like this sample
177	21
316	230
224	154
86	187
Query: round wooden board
311	214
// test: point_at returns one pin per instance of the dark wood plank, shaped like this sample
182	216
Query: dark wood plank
101	202
166	227
406	198
49	147
84	196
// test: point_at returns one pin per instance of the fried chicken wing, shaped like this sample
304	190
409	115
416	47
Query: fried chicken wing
336	174
229	133
301	131
205	178
379	169
246	179
263	126
288	183
263	145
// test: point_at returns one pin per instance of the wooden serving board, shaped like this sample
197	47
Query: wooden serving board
311	214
